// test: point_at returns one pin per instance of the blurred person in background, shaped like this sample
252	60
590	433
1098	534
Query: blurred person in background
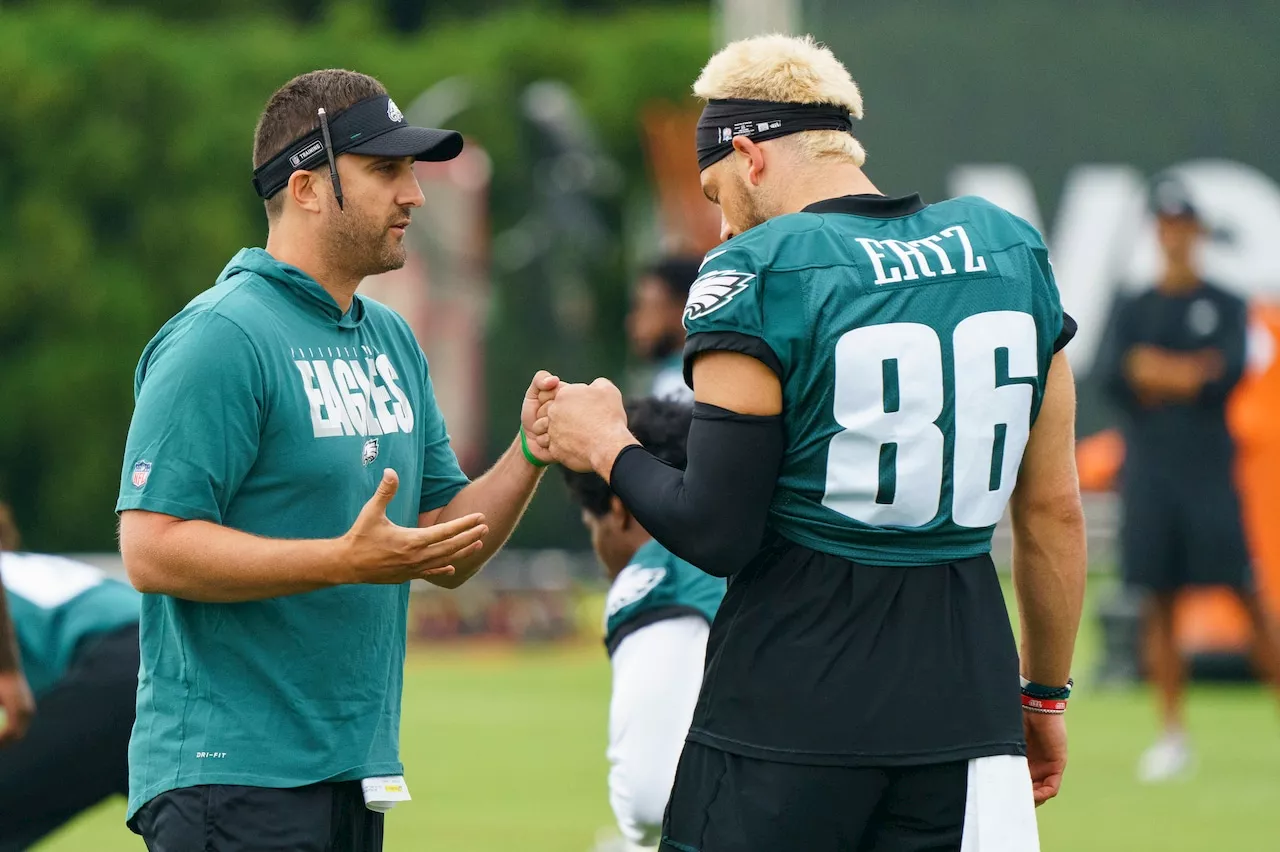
655	325
1173	355
875	380
657	618
287	473
16	701
77	631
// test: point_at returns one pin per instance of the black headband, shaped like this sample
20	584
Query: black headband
760	120
373	126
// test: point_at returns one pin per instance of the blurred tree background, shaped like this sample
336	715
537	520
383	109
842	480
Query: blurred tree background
125	187
125	165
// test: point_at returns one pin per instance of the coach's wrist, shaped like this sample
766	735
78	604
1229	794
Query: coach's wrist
338	563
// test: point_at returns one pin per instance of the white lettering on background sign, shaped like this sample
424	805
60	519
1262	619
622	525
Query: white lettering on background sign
1103	239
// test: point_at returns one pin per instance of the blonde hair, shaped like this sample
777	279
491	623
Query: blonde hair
788	69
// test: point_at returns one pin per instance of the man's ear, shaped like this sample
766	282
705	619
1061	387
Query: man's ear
754	158
304	190
622	518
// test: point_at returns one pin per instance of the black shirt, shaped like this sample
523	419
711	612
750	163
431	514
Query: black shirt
814	659
1177	443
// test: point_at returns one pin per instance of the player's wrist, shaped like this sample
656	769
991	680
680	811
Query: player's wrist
1046	699
608	450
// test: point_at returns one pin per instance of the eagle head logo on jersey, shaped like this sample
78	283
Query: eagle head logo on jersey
369	452
714	290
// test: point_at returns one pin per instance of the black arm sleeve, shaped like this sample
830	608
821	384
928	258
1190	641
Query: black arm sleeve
713	513
1069	329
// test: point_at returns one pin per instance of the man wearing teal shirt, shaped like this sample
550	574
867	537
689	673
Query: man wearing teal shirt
77	634
287	473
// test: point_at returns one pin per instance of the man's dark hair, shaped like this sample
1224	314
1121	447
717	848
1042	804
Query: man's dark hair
291	112
661	427
677	272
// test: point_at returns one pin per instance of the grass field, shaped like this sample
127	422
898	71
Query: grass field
505	753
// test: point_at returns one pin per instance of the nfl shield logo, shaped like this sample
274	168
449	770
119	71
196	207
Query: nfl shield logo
367	454
141	472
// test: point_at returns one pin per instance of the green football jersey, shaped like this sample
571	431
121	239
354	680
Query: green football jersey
912	342
657	585
57	606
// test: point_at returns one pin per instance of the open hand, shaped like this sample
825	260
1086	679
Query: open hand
379	551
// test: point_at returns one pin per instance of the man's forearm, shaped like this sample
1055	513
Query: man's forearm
203	561
1049	567
10	659
502	495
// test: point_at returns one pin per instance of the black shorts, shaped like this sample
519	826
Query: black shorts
231	818
723	802
1173	537
76	752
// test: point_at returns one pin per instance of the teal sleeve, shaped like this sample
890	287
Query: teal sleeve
725	310
1047	301
442	478
196	421
727	295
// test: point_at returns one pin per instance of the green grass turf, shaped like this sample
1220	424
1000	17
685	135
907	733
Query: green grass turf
505	751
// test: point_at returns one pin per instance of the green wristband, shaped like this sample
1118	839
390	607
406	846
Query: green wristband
530	457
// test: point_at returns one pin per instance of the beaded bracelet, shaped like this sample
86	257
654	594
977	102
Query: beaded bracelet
1038	698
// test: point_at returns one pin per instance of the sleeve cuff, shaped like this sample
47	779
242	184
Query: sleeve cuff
182	511
1069	329
647	617
440	497
729	341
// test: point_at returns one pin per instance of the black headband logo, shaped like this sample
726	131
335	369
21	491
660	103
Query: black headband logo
306	153
722	120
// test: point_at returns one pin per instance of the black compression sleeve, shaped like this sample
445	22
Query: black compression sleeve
713	513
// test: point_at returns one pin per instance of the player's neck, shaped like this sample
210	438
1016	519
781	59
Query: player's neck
296	250
830	181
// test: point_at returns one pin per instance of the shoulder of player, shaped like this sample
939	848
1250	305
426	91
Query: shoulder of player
780	244
650	574
995	222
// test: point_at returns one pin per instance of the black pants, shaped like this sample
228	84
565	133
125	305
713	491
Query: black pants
723	802
76	752
231	818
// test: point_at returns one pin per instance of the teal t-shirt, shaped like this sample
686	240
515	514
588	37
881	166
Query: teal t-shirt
56	604
912	346
263	407
657	585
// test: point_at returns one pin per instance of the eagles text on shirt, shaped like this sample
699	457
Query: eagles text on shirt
352	392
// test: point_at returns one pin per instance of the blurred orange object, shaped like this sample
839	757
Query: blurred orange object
1098	459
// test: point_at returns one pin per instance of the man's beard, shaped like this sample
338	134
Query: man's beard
362	247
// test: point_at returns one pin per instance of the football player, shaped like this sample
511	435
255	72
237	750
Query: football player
876	379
